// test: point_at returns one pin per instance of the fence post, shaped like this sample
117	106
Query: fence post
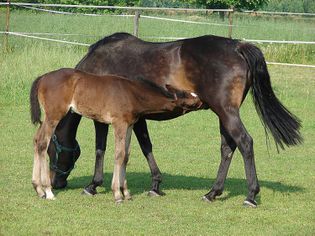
7	25
230	14
136	24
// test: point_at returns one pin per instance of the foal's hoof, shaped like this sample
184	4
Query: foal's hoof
128	197
48	198
250	203
89	192
153	193
206	199
119	201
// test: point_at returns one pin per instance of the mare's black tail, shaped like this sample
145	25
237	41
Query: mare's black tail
34	103
282	124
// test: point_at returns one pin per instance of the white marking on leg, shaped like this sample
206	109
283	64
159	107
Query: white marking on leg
49	194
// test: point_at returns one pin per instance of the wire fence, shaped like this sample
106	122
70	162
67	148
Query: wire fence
136	16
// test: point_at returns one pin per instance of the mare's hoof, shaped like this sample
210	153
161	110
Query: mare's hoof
89	192
250	203
153	193
206	199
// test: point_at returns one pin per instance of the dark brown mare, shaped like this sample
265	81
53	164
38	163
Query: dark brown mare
108	99
219	70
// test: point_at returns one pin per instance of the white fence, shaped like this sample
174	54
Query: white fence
37	7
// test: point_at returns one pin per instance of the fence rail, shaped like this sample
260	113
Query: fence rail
154	8
136	23
86	45
280	13
117	7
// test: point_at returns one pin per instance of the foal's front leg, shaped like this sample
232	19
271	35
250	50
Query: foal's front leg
122	144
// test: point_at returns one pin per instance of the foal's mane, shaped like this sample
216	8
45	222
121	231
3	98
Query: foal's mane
156	87
169	91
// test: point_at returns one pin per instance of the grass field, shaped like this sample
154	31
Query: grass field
186	149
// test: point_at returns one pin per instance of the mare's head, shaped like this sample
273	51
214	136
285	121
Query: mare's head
61	162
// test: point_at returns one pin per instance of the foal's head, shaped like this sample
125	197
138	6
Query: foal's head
185	100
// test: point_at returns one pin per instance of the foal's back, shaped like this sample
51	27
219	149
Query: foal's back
103	98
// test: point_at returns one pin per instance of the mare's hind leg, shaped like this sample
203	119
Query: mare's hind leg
142	134
41	177
235	128
122	139
228	147
101	131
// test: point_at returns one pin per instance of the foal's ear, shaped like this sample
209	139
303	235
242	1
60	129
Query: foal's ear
170	88
140	77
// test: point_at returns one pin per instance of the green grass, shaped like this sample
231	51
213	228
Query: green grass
186	149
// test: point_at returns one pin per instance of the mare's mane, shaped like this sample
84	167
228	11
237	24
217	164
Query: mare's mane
108	39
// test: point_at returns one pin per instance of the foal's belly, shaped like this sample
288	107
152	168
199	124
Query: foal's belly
93	112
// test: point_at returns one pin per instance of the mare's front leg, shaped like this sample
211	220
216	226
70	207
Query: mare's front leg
142	134
101	131
228	147
122	145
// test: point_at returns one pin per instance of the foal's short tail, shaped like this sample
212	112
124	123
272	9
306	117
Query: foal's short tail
283	125
34	103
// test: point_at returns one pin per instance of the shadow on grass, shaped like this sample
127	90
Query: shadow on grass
140	182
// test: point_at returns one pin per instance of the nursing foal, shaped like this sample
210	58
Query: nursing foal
109	99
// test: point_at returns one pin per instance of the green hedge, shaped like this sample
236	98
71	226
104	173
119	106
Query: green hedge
307	6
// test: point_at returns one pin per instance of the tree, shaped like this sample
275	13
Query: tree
240	4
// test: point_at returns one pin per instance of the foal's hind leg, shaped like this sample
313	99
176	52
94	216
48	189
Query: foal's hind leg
235	128
228	147
142	134
41	169
101	131
36	178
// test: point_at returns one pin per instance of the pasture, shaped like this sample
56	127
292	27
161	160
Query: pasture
187	150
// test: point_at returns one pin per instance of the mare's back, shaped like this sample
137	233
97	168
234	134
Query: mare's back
125	55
